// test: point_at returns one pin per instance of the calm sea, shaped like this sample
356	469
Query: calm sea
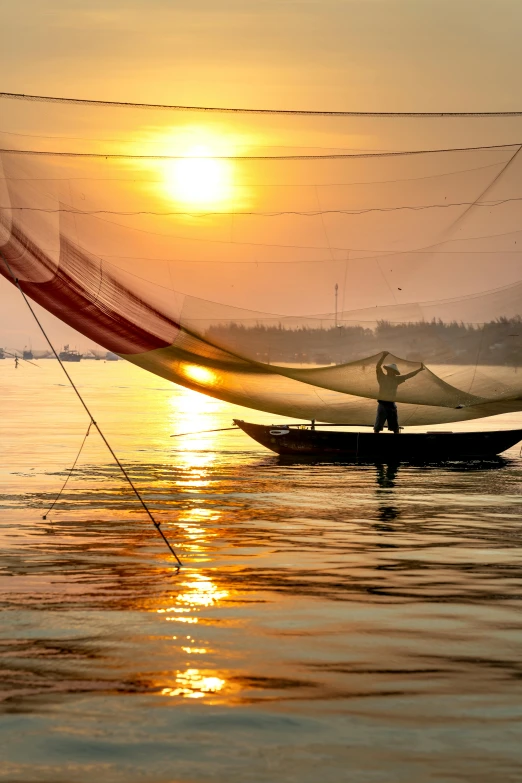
331	623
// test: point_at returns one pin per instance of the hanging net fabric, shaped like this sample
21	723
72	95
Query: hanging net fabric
278	262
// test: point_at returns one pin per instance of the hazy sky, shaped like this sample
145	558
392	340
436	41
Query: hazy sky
408	55
340	54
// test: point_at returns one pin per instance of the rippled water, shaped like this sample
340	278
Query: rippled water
331	622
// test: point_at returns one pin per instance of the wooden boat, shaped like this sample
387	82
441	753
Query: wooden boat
302	441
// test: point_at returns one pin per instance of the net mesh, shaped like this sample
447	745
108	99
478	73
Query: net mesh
281	263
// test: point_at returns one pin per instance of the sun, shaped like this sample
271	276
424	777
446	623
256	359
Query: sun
199	179
195	167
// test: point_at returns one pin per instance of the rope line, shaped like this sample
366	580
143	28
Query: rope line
328	156
202	432
89	414
280	213
265	186
243	110
69	474
477	202
384	251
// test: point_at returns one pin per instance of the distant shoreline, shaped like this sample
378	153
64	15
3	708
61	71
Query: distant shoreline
495	343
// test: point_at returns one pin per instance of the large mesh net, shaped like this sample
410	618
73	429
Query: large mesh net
279	262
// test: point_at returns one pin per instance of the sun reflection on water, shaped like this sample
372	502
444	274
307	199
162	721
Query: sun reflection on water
195	650
193	684
202	592
198	593
191	522
194	413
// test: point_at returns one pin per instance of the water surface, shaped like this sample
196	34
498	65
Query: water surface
331	622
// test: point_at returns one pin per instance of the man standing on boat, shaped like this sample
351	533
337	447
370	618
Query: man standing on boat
389	382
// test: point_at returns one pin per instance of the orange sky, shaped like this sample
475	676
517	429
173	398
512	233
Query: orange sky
328	54
341	54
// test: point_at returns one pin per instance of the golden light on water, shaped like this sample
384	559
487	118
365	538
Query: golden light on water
197	525
195	650
192	413
189	611
199	594
193	684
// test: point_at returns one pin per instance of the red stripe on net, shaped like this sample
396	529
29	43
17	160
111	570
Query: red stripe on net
80	293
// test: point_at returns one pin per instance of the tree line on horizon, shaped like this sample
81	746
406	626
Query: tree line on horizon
496	342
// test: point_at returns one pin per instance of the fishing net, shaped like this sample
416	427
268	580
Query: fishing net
274	261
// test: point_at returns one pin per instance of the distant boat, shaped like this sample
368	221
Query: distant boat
111	357
68	355
27	355
2	353
289	441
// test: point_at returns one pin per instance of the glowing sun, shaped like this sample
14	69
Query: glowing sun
198	179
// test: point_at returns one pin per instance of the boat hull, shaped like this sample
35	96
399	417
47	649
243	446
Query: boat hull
367	446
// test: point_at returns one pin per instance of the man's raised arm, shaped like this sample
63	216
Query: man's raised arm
384	354
412	374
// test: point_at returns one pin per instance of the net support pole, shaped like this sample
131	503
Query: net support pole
89	414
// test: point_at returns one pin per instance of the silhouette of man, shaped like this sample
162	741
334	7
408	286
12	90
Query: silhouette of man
389	382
